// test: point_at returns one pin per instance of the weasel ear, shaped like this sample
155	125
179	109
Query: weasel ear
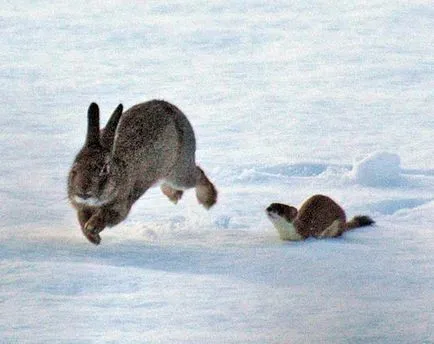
92	137
292	213
108	134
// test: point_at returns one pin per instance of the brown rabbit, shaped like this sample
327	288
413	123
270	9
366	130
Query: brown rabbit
150	142
318	217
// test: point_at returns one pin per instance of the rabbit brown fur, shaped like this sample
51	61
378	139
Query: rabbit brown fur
150	142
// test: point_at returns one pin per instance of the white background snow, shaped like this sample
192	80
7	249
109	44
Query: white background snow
288	99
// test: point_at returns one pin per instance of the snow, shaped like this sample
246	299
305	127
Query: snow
379	169
288	99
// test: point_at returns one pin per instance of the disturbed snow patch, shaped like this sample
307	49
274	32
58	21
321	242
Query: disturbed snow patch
379	169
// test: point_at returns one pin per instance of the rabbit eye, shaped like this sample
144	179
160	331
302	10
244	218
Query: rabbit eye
73	172
105	170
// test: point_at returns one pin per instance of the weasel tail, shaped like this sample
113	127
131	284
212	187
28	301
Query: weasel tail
359	221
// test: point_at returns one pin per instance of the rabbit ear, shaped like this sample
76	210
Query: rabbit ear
92	138
108	134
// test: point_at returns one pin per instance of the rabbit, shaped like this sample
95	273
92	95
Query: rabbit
319	217
152	142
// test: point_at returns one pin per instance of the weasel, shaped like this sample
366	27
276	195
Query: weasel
318	217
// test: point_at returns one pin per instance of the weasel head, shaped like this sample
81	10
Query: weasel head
278	211
282	217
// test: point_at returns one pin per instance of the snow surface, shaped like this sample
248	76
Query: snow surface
288	99
378	169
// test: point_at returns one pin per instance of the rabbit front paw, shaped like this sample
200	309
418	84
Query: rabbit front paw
92	228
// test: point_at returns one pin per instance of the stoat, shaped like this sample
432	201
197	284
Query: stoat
318	217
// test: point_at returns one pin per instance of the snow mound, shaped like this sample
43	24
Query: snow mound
379	169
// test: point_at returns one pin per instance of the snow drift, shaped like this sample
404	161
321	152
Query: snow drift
379	169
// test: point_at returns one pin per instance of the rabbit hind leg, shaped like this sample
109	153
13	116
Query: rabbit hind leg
191	177
173	194
206	192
